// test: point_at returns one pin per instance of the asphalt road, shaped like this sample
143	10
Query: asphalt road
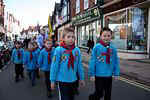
9	90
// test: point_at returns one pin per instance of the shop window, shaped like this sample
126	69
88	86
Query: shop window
117	23
77	6
129	28
138	21
86	4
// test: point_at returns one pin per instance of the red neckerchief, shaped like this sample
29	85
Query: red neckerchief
107	54
49	54
19	53
31	56
69	51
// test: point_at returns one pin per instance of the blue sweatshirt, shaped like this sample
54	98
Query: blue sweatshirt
30	64
99	67
43	59
14	57
37	52
59	68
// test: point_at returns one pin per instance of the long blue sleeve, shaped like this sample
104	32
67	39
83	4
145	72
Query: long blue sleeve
80	66
116	64
92	63
40	59
55	65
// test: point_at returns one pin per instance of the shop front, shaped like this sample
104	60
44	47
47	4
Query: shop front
130	31
87	26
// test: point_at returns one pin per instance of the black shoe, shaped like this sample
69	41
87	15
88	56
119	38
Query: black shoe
38	76
16	80
77	92
49	94
91	97
22	76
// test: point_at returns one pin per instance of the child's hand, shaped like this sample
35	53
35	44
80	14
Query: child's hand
82	83
52	86
116	78
92	78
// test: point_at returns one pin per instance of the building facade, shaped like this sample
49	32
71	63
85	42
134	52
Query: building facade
2	29
129	21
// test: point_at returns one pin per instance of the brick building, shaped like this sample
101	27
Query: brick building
128	19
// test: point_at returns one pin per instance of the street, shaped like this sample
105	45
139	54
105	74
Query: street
9	90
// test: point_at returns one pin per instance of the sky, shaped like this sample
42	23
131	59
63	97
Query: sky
30	12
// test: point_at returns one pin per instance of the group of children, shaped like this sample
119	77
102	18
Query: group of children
63	65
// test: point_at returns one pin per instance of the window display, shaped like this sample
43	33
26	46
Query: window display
129	28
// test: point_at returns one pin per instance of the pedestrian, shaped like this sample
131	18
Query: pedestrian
37	51
41	38
29	60
66	65
90	44
104	64
45	59
17	59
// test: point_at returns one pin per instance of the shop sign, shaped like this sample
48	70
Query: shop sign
89	14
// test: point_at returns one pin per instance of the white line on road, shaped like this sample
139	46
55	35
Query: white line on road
145	87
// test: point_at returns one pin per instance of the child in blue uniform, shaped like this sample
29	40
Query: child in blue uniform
29	60
104	63
37	51
17	59
45	59
66	65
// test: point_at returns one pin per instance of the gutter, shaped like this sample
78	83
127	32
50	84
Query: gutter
110	3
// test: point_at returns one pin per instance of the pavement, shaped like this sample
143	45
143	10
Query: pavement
133	69
23	90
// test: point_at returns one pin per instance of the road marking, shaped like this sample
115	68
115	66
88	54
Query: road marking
145	87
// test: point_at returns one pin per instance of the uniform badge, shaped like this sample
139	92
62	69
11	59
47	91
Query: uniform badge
63	57
100	58
76	54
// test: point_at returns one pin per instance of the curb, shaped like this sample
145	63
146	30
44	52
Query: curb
125	75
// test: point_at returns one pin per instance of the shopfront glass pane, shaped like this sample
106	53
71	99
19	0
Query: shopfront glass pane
83	36
137	33
117	23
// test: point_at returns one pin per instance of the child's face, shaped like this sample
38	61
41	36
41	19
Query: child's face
69	38
106	36
35	46
30	47
18	45
48	44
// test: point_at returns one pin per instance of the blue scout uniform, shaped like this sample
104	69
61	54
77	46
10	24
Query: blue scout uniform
45	66
15	56
60	71
66	75
43	59
98	65
103	66
30	61
17	59
37	51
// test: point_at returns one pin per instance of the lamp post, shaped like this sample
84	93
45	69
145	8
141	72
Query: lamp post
99	4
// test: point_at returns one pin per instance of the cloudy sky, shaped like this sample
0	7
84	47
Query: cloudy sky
30	12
